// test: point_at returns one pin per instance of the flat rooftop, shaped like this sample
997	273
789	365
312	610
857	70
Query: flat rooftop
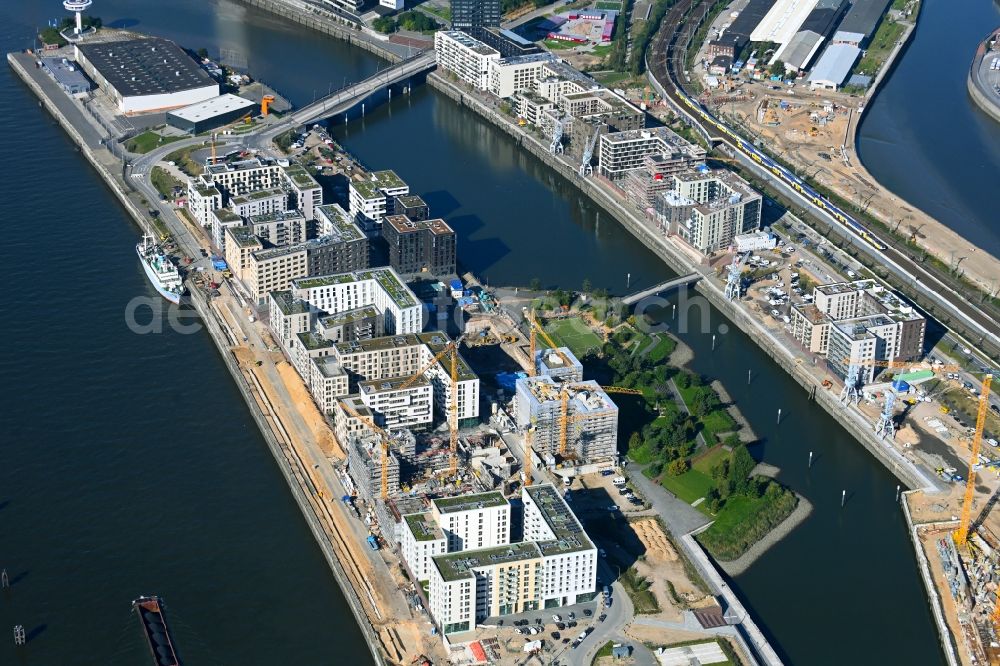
329	367
312	342
288	305
348	316
455	566
569	533
385	277
405	225
434	340
551	359
300	176
469	502
211	108
470	43
343	227
372	386
812	313
225	215
276	216
243	236
411	201
256	196
423	527
149	66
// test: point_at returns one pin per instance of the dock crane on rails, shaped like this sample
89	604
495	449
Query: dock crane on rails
556	146
451	349
384	440
961	535
735	275
588	153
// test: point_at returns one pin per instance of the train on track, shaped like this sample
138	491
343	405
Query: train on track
796	183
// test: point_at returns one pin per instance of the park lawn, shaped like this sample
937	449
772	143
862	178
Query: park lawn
147	141
663	349
737	509
559	45
575	334
690	486
163	181
443	12
604	4
716	423
601	50
705	462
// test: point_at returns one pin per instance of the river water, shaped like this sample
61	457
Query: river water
132	465
925	139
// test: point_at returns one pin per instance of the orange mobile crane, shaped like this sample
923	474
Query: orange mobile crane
384	437
961	535
450	349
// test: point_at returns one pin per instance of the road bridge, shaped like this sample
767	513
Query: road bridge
347	98
681	281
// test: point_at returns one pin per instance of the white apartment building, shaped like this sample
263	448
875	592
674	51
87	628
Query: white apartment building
622	152
222	219
328	383
404	356
464	55
242	177
399	402
473	521
202	199
555	565
286	227
380	287
859	322
369	198
419	541
569	559
724	206
288	316
259	202
305	193
508	76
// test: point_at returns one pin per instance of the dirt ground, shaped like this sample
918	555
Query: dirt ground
822	147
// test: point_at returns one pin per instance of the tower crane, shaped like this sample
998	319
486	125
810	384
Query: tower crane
536	328
961	535
384	437
450	349
529	436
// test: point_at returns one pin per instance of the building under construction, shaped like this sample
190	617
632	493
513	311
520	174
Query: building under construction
364	463
571	420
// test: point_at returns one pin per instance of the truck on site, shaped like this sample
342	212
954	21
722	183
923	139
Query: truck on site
372	542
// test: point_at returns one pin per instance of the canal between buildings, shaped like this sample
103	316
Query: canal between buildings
132	465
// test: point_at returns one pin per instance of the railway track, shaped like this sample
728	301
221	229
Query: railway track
977	324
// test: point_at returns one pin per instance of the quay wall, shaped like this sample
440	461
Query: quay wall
683	264
304	14
980	94
945	635
299	483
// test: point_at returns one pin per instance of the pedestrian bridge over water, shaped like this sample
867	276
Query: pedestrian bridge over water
681	281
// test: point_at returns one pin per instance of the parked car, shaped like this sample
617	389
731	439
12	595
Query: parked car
557	618
602	617
588	612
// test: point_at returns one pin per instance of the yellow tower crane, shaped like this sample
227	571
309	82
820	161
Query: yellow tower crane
536	329
450	349
565	419
529	436
384	438
961	535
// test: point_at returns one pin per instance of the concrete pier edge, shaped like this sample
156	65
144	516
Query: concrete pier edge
933	598
298	483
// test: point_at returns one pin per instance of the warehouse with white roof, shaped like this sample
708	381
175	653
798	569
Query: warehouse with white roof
833	66
211	113
783	21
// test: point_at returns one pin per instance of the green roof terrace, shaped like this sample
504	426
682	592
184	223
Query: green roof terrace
344	228
423	527
569	534
386	278
256	196
288	305
455	566
226	215
312	342
387	179
367	189
469	502
244	237
300	176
